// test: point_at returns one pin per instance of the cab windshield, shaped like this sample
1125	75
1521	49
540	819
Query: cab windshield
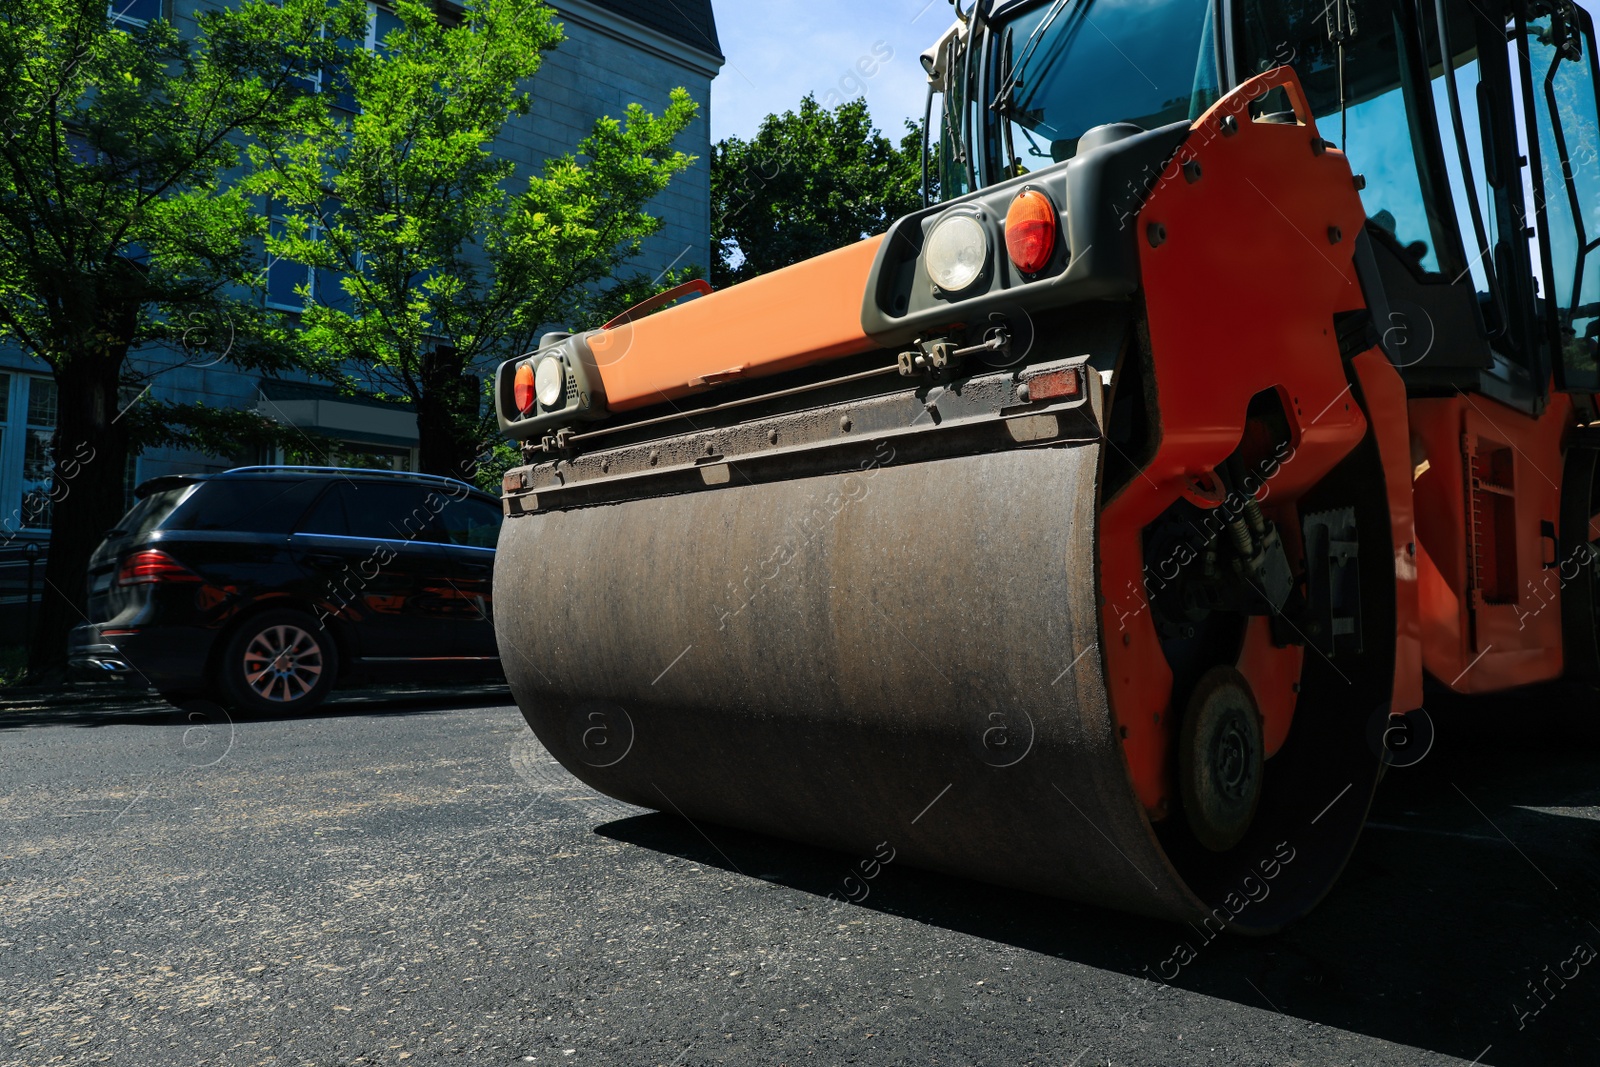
1058	69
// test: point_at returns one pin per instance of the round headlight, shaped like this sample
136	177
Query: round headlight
550	377
957	250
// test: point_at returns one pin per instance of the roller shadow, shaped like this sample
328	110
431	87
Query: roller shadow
1460	894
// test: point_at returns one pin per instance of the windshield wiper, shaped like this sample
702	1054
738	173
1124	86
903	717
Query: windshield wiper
1002	102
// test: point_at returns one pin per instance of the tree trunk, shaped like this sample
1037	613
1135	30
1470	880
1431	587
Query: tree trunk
447	416
91	455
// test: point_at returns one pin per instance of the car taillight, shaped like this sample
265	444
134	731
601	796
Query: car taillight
1031	231
524	390
149	566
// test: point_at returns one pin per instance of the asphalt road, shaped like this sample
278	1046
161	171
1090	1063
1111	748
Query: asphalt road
415	882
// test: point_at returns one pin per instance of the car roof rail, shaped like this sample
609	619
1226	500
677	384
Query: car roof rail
405	476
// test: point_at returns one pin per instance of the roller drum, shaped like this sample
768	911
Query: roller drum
904	653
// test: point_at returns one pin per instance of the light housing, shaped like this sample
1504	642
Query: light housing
957	252
151	566
550	379
522	389
1031	226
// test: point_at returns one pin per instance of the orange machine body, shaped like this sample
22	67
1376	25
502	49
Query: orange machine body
1488	499
802	315
1267	206
1476	596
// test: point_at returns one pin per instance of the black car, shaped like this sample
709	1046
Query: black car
264	587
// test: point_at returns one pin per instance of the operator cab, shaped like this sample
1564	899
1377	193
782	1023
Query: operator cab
1481	176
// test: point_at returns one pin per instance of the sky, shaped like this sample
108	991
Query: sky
779	50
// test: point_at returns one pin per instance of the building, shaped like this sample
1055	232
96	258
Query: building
616	52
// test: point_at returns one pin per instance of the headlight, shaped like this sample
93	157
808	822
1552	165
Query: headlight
957	250
550	378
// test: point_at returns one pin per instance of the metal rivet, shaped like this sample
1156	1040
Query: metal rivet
605	466
1157	234
844	423
1191	171
1230	125
655	456
711	448
1361	181
772	436
1335	235
1023	392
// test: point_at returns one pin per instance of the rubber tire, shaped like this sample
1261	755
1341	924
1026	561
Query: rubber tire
232	690
1221	698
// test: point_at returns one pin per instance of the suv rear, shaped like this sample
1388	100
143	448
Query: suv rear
264	587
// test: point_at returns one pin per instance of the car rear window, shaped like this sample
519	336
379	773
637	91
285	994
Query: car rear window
246	505
149	512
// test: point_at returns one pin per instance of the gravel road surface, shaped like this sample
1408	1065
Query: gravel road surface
415	881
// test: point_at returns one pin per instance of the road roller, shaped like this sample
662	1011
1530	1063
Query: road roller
1093	530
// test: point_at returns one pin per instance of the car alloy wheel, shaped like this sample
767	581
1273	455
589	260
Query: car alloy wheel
283	664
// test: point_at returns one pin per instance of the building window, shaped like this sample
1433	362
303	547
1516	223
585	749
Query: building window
134	12
38	455
285	278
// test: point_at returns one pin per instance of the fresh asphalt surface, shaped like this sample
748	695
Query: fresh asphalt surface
414	881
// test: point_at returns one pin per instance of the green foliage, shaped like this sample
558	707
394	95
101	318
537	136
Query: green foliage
491	467
443	267
597	306
117	226
120	226
809	182
13	665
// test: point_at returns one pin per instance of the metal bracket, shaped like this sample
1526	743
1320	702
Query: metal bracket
940	354
1333	609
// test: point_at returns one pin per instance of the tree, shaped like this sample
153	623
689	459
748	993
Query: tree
443	268
119	230
808	183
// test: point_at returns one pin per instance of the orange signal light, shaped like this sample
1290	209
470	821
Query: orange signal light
1031	231
523	390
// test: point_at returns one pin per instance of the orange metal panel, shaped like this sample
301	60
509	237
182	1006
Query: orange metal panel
1274	676
804	314
1241	286
1385	397
1489	582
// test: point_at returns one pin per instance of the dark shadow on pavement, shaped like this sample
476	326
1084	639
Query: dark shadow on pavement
136	708
1470	883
